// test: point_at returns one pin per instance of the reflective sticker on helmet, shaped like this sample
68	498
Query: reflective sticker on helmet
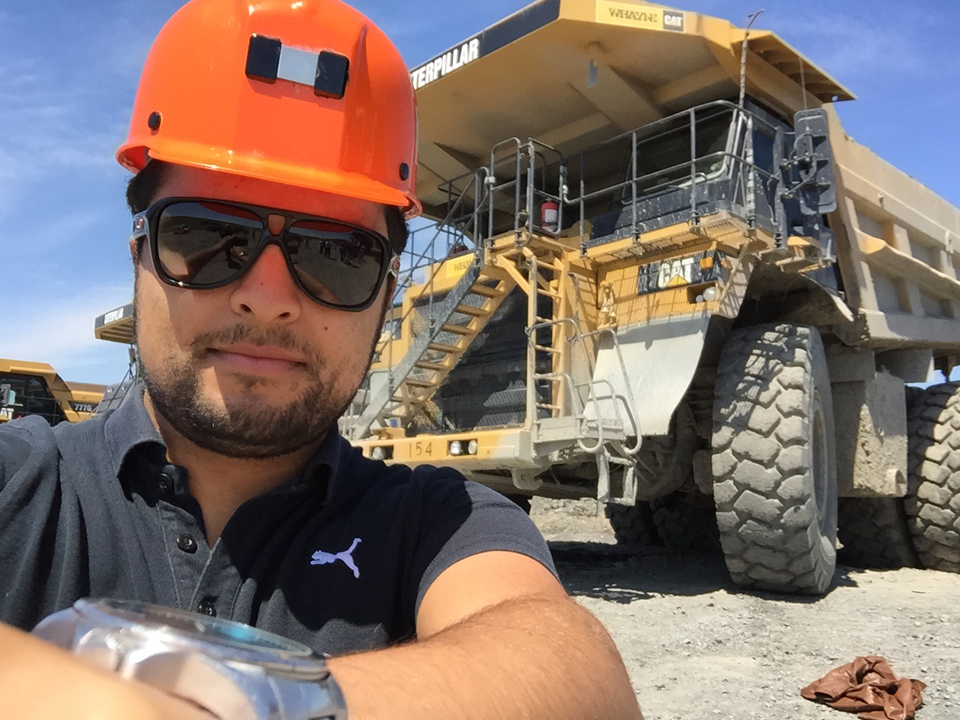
299	66
263	58
268	59
332	73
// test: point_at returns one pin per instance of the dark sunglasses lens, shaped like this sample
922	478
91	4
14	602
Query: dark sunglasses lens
335	263
205	243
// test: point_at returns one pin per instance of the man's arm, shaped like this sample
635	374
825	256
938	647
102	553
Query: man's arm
41	682
498	637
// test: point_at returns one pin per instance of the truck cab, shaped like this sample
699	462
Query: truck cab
28	388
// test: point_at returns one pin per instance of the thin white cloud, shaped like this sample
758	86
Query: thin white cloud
850	46
60	119
59	331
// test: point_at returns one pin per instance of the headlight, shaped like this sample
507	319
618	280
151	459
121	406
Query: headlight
380	453
710	294
456	448
472	447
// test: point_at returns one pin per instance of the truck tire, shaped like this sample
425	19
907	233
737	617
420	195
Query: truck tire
874	534
686	523
774	460
933	463
633	524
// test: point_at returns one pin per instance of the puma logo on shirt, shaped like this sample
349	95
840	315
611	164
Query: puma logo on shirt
346	557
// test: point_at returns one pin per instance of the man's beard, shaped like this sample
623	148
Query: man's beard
249	430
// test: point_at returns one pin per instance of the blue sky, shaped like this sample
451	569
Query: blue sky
68	73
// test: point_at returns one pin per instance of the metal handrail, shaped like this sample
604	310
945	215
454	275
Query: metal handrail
631	406
427	258
732	157
573	387
580	415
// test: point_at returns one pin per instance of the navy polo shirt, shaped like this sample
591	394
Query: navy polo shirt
338	558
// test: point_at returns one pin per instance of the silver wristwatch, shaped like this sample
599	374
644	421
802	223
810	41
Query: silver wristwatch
231	670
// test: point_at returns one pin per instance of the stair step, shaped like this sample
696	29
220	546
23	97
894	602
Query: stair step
471	310
544	348
441	347
416	382
548	293
390	414
411	398
437	367
570	429
490	292
456	329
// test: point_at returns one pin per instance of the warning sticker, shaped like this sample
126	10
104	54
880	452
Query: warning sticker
639	16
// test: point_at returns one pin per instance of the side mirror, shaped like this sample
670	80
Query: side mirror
808	172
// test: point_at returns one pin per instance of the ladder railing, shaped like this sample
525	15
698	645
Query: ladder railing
573	389
428	258
413	390
448	321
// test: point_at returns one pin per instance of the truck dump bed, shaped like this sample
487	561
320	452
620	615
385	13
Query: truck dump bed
898	249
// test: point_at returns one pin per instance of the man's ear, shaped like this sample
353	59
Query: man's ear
391	285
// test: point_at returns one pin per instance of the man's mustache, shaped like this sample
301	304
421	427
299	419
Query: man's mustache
274	337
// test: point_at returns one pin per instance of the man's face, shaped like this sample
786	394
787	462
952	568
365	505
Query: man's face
254	369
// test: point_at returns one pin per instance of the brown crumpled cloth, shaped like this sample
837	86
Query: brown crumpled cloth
869	687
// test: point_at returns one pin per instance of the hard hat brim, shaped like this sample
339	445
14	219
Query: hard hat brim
134	157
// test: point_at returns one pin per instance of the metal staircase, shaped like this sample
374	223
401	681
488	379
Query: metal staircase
451	326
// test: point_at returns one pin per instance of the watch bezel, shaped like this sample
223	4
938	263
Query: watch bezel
213	637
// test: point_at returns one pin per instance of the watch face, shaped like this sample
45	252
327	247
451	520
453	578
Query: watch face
196	627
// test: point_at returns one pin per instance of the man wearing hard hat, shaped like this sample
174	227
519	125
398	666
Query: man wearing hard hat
214	541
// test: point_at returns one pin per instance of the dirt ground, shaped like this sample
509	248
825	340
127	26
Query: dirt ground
698	649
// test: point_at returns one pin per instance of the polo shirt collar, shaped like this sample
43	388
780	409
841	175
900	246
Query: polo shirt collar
129	427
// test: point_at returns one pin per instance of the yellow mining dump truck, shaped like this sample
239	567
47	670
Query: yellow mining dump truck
28	388
661	275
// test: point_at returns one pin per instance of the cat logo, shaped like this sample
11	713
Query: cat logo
697	269
673	21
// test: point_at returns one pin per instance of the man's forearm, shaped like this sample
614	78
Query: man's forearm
41	682
537	658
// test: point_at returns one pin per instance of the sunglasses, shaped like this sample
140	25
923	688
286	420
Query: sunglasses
203	244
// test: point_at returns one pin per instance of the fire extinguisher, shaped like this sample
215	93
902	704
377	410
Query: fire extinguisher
550	216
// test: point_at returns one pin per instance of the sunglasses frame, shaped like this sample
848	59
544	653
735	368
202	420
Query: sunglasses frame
145	226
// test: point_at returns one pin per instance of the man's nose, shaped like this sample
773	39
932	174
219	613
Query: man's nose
267	291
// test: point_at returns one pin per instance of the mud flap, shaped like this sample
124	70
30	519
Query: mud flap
659	360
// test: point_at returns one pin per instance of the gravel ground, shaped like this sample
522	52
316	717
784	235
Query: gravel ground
697	648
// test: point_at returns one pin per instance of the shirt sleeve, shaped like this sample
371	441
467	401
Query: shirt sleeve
462	518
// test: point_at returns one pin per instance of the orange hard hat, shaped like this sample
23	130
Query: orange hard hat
308	93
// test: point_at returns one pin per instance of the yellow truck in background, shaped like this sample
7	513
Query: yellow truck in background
657	272
29	388
660	274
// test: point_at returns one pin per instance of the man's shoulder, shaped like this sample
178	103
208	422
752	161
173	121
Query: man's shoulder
424	490
32	441
375	476
22	439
